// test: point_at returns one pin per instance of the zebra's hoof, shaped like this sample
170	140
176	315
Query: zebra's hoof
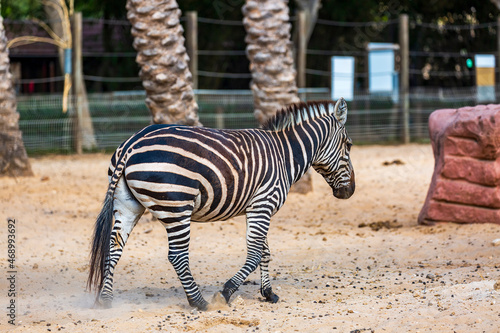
102	304
229	289
273	298
270	296
201	305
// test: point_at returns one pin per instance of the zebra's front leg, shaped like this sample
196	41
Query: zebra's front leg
178	255
265	286
257	227
127	211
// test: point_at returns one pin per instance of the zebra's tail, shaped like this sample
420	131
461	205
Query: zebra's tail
100	245
99	252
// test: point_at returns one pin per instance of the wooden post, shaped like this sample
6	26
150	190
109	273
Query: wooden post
301	49
192	45
404	84
219	117
366	93
77	81
498	46
52	71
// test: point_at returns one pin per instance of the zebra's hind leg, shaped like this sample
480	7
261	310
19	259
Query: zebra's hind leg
127	211
178	255
265	287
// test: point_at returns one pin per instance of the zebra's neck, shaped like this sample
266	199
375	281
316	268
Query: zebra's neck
303	143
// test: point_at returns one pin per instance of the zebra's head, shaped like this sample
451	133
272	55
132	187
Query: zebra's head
333	161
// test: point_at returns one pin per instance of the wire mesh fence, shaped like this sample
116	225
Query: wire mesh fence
438	73
116	116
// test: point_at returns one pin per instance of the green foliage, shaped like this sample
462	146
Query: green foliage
21	9
108	9
24	9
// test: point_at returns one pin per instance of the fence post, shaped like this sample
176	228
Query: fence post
77	81
219	117
192	44
498	45
404	85
301	49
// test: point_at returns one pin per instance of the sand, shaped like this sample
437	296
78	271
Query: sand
358	265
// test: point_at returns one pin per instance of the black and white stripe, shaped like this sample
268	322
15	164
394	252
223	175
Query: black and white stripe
193	174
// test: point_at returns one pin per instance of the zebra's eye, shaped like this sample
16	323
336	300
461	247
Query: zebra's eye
349	145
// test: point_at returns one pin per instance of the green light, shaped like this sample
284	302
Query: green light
469	63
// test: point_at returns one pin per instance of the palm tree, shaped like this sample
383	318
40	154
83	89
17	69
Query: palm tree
13	158
269	51
163	59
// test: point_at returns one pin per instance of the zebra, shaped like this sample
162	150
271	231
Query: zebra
184	174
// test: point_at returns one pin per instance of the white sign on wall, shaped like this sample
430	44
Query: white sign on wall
485	77
342	78
382	77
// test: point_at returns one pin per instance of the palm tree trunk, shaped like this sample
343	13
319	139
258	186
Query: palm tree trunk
164	62
269	50
13	158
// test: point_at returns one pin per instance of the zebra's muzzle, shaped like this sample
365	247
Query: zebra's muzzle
345	192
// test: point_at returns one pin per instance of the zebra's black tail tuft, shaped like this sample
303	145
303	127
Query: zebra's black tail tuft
100	245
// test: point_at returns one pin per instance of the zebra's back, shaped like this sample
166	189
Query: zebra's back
205	173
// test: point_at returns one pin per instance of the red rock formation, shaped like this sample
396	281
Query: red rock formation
465	186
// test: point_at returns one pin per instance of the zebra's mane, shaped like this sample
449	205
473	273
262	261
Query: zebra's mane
295	114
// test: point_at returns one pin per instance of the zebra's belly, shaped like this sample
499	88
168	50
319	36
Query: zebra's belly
167	201
202	215
204	219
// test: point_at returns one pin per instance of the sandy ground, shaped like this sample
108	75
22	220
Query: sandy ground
360	265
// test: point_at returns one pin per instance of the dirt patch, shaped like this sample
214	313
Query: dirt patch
330	275
223	321
376	226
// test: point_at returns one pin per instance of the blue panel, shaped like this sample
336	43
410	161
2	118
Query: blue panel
67	61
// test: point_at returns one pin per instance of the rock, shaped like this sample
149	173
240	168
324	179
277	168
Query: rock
472	170
467	193
465	186
496	286
394	162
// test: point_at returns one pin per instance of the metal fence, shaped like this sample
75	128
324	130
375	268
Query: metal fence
116	116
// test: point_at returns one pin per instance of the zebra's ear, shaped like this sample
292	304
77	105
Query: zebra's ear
340	110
